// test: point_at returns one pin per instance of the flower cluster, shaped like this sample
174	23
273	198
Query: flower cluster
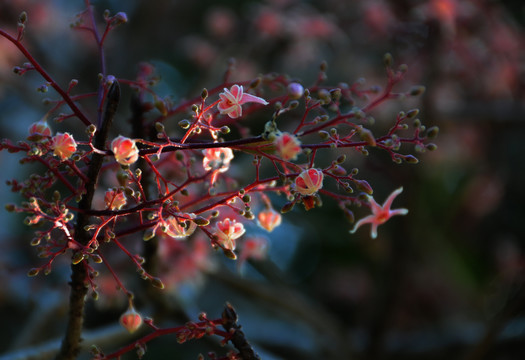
95	197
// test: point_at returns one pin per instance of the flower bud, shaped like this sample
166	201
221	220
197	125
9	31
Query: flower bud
309	181
287	146
131	320
125	150
295	90
269	219
63	145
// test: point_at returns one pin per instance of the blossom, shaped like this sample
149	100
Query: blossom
218	160
309	181
178	230
231	101
125	150
269	219
39	130
287	146
115	199
131	320
63	145
380	214
227	231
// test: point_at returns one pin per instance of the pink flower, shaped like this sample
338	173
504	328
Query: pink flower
231	101
380	214
287	146
178	230
125	150
131	320
309	182
228	231
39	131
269	219
63	145
115	199
217	159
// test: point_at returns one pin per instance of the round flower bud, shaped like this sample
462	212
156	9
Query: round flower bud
125	150
295	90
39	131
131	320
309	182
269	219
63	145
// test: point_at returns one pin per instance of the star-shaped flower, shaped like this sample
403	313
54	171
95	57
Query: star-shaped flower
231	101
380	214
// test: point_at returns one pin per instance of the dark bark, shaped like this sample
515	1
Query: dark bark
71	342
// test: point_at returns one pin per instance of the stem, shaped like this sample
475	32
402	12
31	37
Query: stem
47	77
71	342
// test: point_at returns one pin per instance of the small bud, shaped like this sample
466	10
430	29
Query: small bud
417	90
77	258
431	147
184	124
120	18
91	129
411	159
363	186
367	136
42	88
293	104
338	171
323	66
131	320
255	83
159	127
388	59
287	207
324	135
33	272
412	113
349	215
22	18
225	130
148	234
157	283
229	254
341	159
204	94
432	132
200	221
95	350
